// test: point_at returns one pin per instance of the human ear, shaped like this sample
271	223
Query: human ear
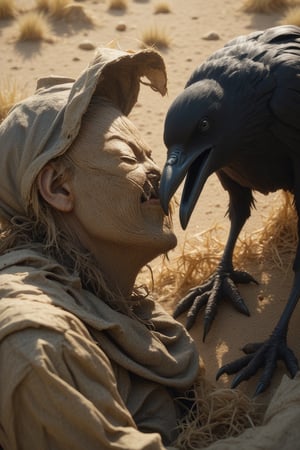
55	188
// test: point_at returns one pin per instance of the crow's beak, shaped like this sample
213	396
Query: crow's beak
181	163
173	173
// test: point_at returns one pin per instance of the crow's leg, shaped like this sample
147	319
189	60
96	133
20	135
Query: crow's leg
222	282
265	355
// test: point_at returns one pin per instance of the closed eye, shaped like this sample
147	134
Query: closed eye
129	159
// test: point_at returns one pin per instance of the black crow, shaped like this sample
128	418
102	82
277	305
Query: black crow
239	117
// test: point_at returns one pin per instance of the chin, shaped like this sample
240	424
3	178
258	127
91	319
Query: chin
162	242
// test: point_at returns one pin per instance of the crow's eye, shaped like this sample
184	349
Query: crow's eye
204	125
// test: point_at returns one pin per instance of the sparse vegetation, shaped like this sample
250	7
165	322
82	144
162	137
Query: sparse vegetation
63	9
7	9
33	26
155	37
118	4
292	17
265	6
9	95
56	8
162	7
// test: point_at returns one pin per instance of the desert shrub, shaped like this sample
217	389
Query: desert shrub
291	17
118	4
9	95
265	6
33	26
153	36
7	9
162	7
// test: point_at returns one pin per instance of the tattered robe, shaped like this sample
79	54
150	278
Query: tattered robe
76	374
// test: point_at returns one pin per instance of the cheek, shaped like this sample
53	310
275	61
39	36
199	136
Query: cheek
107	205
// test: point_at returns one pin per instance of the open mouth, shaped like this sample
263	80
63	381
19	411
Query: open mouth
195	169
150	191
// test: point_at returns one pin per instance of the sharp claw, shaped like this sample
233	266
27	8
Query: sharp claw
234	366
183	305
233	293
206	328
242	307
241	277
260	388
237	380
220	372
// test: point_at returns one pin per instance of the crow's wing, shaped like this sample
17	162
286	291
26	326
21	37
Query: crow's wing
265	47
285	102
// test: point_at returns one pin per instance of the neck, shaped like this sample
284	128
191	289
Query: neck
120	266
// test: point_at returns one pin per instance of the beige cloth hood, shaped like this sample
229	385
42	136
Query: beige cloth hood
43	126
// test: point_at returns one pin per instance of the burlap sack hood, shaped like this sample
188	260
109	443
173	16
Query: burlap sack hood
43	126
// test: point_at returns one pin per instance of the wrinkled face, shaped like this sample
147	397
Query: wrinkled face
115	186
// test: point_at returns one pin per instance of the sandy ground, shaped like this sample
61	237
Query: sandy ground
186	25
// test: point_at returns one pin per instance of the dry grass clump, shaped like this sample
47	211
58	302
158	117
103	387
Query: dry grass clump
7	9
33	26
56	8
276	242
199	257
162	7
118	4
265	6
9	96
64	9
153	36
217	413
291	17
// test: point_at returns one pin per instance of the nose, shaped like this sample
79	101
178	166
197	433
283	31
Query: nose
154	175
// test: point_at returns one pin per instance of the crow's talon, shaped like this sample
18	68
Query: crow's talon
208	296
241	277
261	355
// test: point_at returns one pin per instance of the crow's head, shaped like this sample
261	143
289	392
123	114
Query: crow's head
194	126
206	128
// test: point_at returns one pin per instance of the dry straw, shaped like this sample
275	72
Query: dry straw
33	26
154	36
7	9
216	413
9	95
